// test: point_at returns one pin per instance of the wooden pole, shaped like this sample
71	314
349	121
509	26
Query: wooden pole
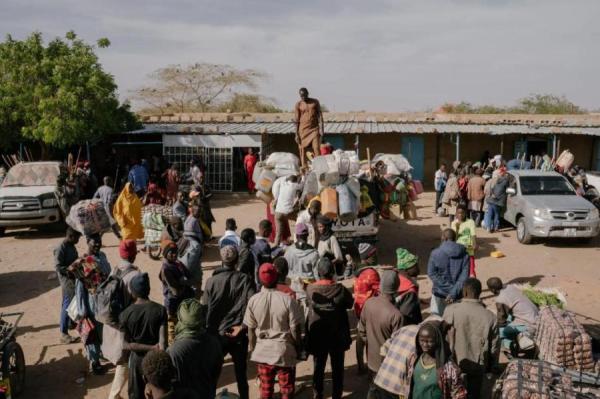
369	161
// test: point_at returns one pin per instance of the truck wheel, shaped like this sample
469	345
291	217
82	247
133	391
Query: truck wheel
13	366
2	231
522	233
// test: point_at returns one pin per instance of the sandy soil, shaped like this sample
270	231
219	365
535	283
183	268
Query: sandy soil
55	370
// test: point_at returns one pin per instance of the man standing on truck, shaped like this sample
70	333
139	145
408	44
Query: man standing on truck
64	256
309	125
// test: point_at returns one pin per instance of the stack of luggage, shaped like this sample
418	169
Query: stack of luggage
89	217
525	379
278	164
334	178
561	340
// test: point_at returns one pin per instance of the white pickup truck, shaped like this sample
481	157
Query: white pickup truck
27	195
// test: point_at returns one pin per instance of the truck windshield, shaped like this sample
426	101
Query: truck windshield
545	185
34	174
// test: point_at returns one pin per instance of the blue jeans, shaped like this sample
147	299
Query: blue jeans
492	217
437	305
65	321
509	333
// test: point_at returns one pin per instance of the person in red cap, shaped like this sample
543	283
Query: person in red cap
112	338
275	324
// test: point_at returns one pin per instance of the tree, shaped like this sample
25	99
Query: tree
533	104
57	94
197	87
248	103
548	104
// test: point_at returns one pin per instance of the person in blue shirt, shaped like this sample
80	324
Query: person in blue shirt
138	177
448	269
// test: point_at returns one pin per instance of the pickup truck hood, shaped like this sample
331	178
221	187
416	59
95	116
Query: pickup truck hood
25	191
559	202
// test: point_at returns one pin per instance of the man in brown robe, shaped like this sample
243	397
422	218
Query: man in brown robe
309	124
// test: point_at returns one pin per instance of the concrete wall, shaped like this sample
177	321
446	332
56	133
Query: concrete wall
441	147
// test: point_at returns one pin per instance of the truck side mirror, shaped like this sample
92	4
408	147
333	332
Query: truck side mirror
511	191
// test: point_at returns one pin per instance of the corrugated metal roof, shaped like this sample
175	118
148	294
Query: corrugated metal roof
352	127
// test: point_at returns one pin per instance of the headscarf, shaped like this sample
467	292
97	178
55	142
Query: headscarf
405	260
168	248
190	319
128	213
442	352
325	221
267	275
127	249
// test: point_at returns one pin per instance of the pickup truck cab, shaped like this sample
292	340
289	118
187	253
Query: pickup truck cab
27	195
544	204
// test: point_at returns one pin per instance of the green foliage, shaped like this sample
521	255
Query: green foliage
533	104
540	298
57	93
199	87
248	103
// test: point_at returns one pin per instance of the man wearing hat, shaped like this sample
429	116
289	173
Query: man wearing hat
275	324
302	261
112	337
226	295
380	318
144	325
407	300
328	328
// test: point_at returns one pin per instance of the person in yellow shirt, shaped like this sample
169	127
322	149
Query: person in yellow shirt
128	214
465	235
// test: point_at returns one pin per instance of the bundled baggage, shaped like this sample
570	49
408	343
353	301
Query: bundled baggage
165	211
396	164
265	180
326	168
283	163
89	217
533	379
565	160
561	339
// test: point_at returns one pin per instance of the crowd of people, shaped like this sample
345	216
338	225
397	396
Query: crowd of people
278	299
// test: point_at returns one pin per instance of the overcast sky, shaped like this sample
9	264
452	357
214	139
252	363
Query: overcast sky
351	54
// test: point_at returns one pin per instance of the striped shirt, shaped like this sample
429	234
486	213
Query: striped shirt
399	351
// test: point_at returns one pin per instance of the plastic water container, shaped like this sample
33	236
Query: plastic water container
266	197
266	180
329	203
347	203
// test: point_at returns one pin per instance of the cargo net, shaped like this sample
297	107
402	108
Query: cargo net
562	340
529	379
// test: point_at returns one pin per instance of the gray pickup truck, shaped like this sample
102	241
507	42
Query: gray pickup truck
27	195
544	204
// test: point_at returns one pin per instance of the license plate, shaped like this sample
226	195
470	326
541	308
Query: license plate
570	224
570	232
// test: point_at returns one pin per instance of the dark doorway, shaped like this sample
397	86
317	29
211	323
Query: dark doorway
536	148
239	174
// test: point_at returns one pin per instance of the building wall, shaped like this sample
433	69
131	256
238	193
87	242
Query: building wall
442	148
582	148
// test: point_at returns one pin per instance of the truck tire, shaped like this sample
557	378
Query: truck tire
522	233
13	366
2	231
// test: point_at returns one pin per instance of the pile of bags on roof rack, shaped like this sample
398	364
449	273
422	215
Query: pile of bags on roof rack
334	178
346	187
278	164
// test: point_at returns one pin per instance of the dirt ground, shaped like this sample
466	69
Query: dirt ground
55	370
